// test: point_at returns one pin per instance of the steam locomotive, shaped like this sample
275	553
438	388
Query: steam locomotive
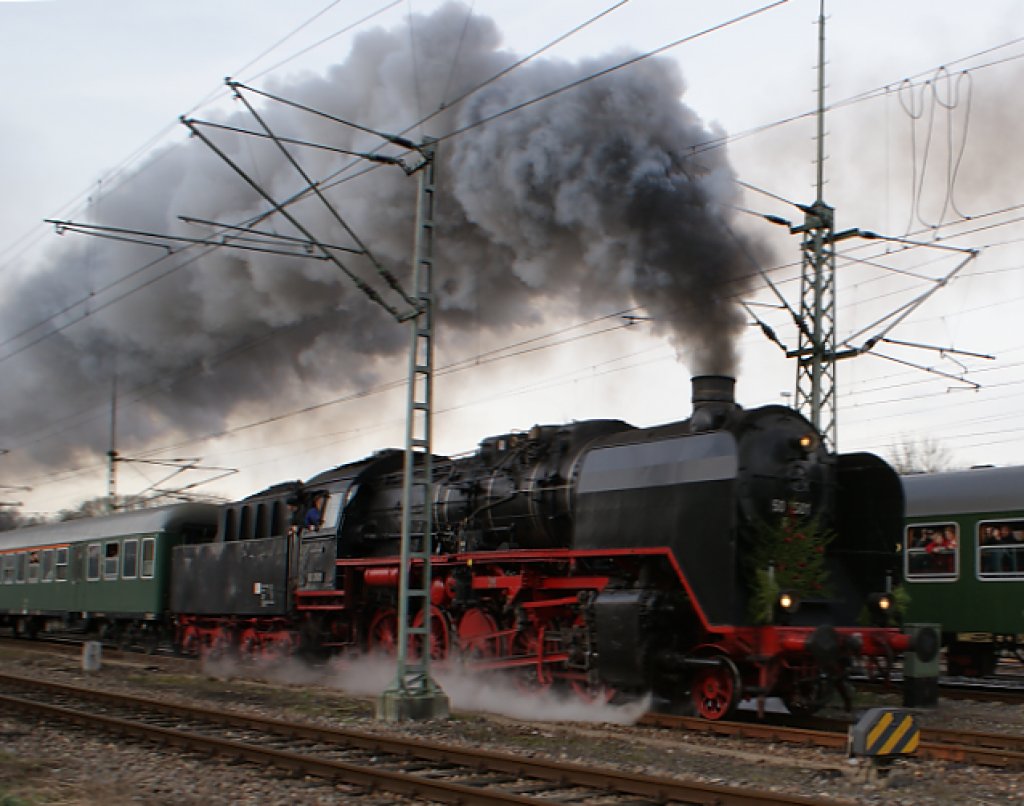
594	556
710	560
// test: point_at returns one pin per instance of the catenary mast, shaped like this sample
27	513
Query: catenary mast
816	350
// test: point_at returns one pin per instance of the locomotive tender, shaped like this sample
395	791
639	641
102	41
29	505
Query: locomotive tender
594	556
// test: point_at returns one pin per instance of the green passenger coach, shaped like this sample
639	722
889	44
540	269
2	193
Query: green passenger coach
963	562
108	575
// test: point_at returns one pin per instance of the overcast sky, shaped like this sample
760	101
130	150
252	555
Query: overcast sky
924	142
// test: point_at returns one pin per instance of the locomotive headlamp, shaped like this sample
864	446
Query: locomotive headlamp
787	602
807	442
881	605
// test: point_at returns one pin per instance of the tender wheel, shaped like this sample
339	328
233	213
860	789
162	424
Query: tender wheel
248	644
189	642
220	645
716	689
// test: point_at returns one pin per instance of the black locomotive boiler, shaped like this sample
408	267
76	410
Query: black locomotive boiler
725	556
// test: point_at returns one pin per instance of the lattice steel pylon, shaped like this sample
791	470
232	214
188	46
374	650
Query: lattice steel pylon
413	694
816	351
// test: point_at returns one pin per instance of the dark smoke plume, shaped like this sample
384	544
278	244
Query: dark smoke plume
588	198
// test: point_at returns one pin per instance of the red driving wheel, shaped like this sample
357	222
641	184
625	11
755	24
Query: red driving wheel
440	634
382	634
477	633
716	689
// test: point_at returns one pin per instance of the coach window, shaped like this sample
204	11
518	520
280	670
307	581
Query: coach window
34	562
932	551
47	565
8	569
62	565
92	562
148	557
20	560
111	556
130	560
1001	549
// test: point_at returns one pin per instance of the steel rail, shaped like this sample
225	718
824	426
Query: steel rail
400	783
469	761
989	749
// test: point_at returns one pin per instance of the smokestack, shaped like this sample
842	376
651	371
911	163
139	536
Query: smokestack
713	398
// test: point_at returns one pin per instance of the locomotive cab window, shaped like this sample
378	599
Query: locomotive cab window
332	504
92	562
62	565
130	560
148	557
1001	549
932	551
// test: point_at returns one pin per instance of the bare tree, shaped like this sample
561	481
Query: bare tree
924	455
92	508
12	518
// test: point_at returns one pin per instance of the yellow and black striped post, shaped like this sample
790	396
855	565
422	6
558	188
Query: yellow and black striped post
883	733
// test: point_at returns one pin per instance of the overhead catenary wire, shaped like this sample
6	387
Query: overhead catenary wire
476	361
319	439
146	149
236	349
397	139
389	278
299	195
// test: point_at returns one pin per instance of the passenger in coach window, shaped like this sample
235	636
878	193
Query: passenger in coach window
998	558
936	540
940	548
1008	554
948	552
987	535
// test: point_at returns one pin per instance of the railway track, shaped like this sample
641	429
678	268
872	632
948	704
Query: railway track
994	689
72	647
408	767
1001	750
1008	688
